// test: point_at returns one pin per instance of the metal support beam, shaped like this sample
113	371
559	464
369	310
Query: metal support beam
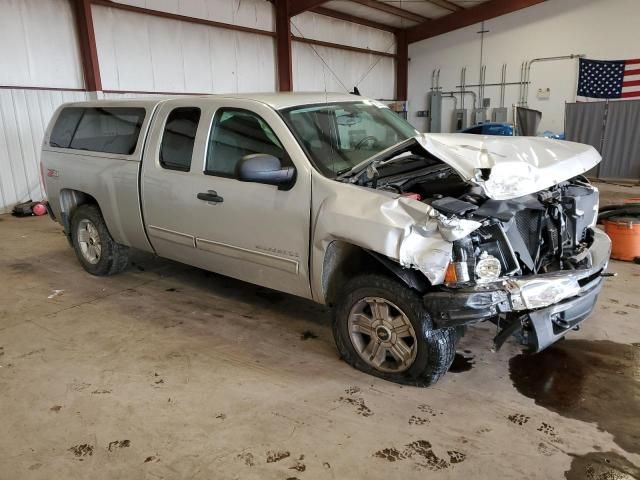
353	19
283	45
388	8
402	65
464	18
446	4
87	41
296	7
340	46
181	18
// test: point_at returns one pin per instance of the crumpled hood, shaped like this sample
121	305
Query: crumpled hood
518	165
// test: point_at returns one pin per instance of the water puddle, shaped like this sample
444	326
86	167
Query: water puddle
591	381
602	466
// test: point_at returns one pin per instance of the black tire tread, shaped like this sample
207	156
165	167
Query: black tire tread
440	344
115	256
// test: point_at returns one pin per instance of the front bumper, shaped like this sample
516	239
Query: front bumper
548	325
554	302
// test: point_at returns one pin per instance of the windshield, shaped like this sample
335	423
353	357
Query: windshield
339	136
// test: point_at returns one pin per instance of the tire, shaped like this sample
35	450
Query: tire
431	352
98	253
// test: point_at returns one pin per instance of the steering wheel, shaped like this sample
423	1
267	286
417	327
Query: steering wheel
365	139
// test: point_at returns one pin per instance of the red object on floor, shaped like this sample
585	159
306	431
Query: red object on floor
39	209
625	237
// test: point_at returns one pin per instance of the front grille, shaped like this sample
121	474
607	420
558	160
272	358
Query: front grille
528	224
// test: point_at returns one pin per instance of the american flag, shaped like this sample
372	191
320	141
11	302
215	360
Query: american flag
618	79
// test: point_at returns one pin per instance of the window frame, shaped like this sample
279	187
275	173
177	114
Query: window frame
142	130
195	137
214	121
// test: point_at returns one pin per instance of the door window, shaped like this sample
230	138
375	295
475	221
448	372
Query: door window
179	138
236	133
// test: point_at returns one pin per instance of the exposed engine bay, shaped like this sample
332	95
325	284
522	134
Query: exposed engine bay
512	259
542	232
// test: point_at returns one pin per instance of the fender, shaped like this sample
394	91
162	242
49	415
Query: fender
412	278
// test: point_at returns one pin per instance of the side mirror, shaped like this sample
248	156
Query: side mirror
265	168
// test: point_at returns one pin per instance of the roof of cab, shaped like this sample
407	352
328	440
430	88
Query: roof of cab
280	100
276	100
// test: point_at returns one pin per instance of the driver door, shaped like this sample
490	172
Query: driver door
250	231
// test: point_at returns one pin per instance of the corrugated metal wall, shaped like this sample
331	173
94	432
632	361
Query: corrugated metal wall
143	53
318	68
38	48
247	13
38	44
137	52
24	115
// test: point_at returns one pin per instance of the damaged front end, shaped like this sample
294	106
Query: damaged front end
510	236
543	307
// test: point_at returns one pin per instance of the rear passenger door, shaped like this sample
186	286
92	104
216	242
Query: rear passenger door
198	212
166	177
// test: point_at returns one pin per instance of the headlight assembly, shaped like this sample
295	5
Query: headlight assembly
488	268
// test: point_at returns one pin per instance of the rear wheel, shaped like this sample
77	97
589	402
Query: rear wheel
382	327
97	251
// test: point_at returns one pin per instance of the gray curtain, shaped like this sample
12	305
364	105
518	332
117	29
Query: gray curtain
621	149
528	121
584	123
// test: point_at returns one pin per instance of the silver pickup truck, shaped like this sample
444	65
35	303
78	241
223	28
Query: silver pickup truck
409	237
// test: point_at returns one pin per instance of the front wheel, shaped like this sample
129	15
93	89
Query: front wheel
382	328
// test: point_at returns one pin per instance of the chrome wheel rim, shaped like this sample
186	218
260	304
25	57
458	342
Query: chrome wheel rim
382	335
89	241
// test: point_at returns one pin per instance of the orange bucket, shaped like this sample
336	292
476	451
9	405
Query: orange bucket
625	237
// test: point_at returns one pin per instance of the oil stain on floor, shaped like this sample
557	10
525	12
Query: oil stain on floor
591	381
462	362
602	466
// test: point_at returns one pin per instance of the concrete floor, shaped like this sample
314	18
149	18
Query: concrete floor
167	371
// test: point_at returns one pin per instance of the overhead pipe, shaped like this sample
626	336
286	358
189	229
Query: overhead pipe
481	101
523	67
503	87
453	96
435	80
483	80
463	79
482	32
529	64
462	94
491	84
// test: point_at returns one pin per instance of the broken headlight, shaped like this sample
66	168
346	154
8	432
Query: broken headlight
488	268
541	293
